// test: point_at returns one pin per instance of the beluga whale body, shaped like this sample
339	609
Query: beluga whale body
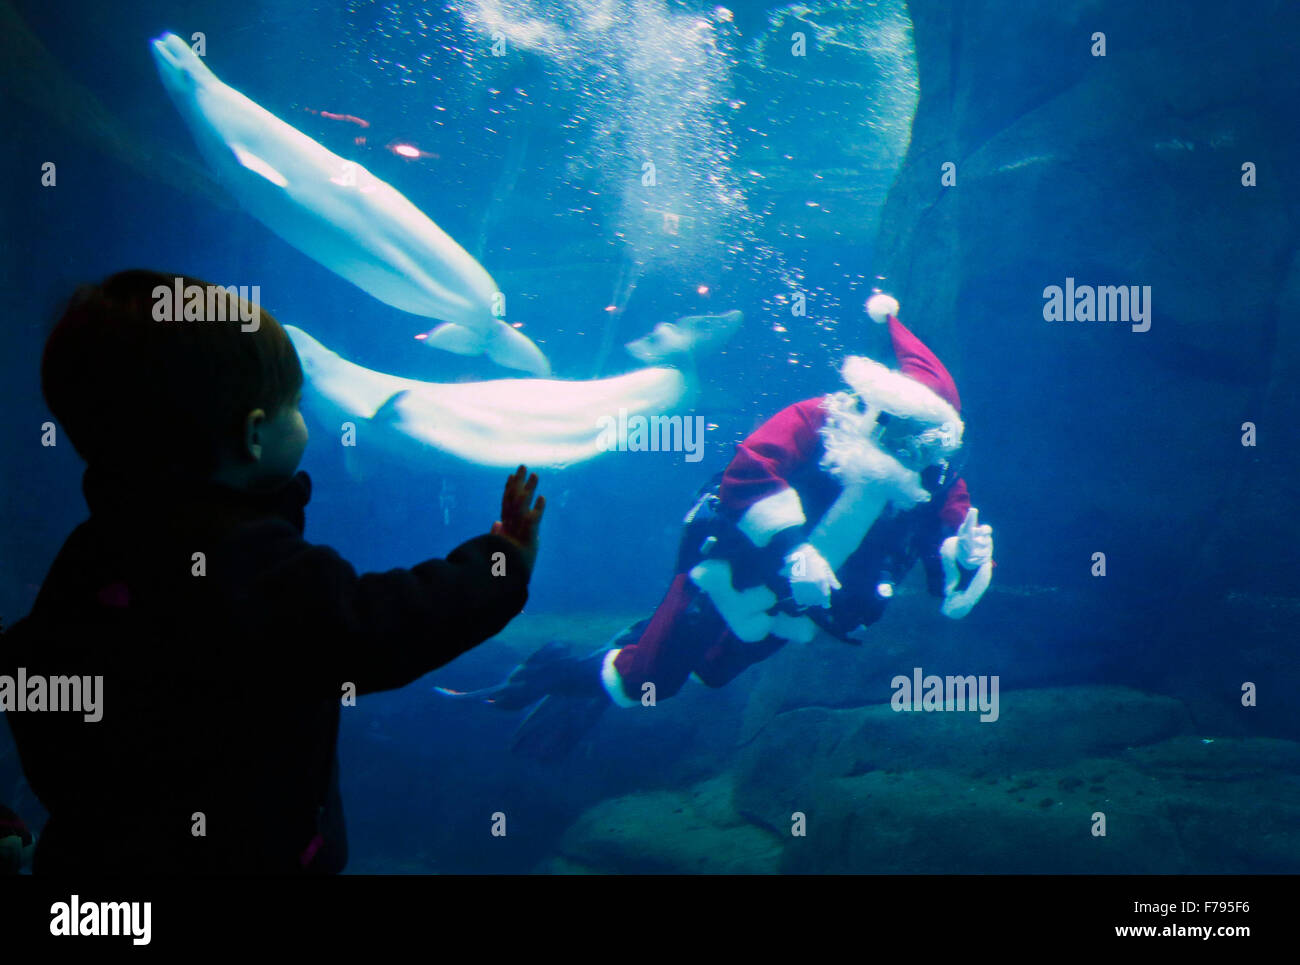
338	213
502	422
549	423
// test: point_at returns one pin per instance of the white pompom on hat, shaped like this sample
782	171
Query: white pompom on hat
880	306
915	360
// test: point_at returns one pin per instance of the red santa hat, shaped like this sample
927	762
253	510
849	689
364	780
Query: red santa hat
915	360
920	390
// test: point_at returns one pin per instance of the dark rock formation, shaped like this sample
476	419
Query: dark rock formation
1122	170
943	793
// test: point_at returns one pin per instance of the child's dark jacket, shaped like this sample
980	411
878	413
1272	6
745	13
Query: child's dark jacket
222	691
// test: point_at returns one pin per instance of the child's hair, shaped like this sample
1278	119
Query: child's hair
139	395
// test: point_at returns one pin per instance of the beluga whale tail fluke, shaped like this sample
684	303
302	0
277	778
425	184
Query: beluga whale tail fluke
335	211
505	345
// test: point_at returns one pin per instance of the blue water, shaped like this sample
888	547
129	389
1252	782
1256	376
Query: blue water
776	171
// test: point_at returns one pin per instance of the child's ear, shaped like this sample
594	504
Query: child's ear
252	442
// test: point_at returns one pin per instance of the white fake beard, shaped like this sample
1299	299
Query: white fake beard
855	460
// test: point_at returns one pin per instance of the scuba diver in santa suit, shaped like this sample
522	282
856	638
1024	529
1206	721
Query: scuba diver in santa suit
822	510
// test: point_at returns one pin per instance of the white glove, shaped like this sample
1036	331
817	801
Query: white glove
974	542
811	577
972	548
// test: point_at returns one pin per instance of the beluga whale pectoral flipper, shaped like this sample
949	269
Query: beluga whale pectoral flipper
338	213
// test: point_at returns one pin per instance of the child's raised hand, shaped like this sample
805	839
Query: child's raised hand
520	519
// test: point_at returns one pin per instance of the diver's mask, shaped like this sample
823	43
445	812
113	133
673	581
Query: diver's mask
918	446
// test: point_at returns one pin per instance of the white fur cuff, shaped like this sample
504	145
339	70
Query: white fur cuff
771	515
744	611
957	604
613	682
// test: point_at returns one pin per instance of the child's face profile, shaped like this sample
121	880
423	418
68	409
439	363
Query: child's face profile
269	453
283	438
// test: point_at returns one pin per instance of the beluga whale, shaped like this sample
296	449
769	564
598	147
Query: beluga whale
549	423
685	338
335	211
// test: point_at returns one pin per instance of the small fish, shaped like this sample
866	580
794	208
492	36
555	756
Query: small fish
331	116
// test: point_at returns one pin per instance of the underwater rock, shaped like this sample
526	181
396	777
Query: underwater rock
936	821
1246	827
801	750
1064	168
943	793
560	865
1218	759
927	821
671	832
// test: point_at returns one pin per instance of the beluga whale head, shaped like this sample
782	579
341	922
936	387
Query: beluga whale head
179	67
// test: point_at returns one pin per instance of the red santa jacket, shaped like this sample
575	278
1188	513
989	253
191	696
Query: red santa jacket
775	488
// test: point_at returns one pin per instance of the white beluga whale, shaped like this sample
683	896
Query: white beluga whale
691	337
338	213
500	423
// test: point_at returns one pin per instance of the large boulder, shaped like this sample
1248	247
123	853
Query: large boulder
892	792
787	765
867	790
694	830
